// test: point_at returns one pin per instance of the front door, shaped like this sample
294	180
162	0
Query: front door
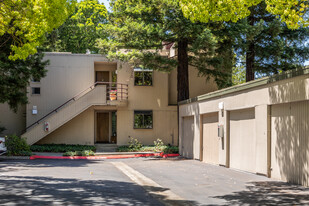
102	128
102	76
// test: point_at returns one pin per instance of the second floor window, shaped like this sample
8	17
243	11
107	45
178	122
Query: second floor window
143	77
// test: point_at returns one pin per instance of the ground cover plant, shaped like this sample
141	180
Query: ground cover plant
136	146
79	153
61	148
17	146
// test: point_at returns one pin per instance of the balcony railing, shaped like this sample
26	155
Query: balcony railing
115	90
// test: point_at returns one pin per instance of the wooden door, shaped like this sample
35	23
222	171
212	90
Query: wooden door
102	76
102	128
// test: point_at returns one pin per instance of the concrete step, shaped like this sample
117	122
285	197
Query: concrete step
105	147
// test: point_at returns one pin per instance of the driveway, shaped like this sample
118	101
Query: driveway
141	181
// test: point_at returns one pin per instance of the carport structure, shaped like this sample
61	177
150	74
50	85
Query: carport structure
264	126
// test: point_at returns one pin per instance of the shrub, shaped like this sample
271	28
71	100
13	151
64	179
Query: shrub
79	153
171	150
17	146
158	144
61	148
134	144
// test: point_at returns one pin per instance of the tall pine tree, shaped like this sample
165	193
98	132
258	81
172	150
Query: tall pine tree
140	29
267	44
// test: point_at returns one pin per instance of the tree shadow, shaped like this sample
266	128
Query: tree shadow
34	190
290	128
269	193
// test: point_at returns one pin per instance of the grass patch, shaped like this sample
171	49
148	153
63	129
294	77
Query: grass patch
165	148
61	148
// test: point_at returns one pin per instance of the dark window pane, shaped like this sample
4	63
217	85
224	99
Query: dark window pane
148	78
143	78
36	90
143	119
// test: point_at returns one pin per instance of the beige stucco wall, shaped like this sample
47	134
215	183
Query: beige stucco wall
14	123
261	99
79	130
68	74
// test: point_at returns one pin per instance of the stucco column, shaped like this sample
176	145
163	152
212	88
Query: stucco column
262	131
223	145
196	140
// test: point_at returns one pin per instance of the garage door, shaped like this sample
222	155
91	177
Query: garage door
188	134
242	140
290	142
210	138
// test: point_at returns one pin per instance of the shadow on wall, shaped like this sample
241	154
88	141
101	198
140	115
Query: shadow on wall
35	190
269	193
289	131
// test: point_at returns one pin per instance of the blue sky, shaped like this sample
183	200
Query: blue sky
106	3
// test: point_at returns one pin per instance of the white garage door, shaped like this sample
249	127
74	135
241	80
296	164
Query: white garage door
290	142
242	140
187	139
210	138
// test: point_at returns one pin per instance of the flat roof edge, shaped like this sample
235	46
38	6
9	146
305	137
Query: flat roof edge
248	85
72	54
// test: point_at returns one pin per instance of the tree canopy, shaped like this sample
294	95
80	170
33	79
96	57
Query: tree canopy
23	23
292	12
81	30
264	44
140	29
15	75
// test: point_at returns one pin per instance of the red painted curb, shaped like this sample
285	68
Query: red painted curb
104	157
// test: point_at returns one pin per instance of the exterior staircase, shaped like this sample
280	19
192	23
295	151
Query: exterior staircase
95	96
105	147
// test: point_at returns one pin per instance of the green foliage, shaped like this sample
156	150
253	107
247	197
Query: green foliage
264	42
239	75
80	31
134	144
24	23
17	146
158	144
171	150
139	31
15	75
61	148
164	148
292	12
79	153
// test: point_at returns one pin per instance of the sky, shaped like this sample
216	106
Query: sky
106	3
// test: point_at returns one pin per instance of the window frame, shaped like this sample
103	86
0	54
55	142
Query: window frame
33	89
139	69
143	112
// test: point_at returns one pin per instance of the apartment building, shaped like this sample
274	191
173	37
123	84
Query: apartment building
86	99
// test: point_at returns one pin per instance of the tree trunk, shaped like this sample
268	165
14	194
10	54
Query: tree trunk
182	71
250	54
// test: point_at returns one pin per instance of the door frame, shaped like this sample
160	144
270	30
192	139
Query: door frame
96	127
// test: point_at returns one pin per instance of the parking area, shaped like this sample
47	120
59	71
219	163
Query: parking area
140	181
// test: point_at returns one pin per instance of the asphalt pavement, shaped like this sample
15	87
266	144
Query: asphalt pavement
138	181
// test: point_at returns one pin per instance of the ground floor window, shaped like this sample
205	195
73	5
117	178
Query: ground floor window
143	119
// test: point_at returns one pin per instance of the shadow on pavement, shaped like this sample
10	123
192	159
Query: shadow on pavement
269	193
33	190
